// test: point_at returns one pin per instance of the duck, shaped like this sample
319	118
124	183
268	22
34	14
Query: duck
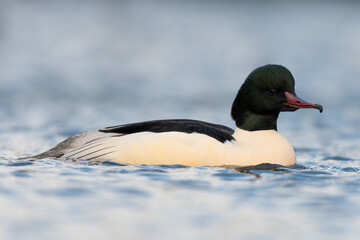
267	91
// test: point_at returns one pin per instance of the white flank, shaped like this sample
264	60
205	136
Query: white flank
249	148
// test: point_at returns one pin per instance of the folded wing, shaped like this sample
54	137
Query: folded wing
93	144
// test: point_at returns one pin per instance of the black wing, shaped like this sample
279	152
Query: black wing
219	132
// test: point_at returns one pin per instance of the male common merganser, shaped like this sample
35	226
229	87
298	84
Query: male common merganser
266	92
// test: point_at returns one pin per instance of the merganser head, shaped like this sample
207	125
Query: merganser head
267	91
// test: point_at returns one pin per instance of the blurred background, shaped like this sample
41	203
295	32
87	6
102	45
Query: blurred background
93	63
69	66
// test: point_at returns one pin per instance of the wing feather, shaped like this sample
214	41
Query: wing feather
219	132
95	144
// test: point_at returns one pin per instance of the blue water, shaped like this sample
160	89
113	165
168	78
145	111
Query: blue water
67	67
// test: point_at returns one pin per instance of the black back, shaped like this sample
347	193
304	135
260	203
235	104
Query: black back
219	132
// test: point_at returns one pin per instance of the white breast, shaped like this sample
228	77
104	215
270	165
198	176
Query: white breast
249	148
266	146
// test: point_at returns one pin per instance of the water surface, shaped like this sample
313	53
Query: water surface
67	67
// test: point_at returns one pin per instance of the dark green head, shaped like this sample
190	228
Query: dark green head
266	92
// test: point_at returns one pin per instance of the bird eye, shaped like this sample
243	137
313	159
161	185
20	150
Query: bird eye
271	91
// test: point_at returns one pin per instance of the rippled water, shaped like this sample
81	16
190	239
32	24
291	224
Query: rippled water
68	67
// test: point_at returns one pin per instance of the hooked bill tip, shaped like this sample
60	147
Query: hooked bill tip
318	106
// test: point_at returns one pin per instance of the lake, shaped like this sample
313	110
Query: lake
67	67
